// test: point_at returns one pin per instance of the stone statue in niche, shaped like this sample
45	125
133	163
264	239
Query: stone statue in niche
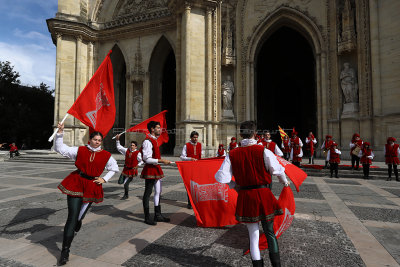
137	105
228	89
348	82
347	34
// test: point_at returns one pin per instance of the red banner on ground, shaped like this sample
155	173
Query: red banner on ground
95	106
214	204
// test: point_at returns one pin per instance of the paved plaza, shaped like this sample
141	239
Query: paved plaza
338	222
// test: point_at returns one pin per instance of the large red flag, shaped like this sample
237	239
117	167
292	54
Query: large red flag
142	127
214	204
95	106
281	222
295	174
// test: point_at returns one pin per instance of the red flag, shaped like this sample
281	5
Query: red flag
95	106
142	127
282	222
214	204
295	174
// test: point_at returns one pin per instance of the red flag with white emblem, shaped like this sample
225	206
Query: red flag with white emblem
95	106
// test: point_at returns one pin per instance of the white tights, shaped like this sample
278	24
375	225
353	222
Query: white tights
254	236
157	192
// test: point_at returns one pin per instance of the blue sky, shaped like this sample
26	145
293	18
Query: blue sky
25	40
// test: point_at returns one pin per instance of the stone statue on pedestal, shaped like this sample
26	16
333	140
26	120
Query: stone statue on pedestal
137	105
348	82
228	89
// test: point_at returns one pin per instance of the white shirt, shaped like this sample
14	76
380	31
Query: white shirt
398	151
184	152
222	155
224	174
123	150
301	150
147	151
370	156
72	152
308	139
277	150
328	156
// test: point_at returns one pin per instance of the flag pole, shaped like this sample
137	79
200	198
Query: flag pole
56	129
119	134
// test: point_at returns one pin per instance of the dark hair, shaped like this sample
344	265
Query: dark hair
134	142
247	129
193	134
152	124
93	134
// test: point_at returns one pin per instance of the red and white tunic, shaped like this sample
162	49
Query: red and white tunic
333	155
151	155
232	146
326	145
296	153
392	154
271	146
366	156
249	165
133	159
354	144
221	153
285	146
192	150
311	141
90	163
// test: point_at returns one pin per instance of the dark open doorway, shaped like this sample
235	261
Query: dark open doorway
285	86
163	88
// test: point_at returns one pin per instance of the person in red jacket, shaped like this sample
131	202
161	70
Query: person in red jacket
13	150
252	166
334	159
152	173
326	145
310	146
83	186
296	152
221	151
193	151
392	154
285	147
269	144
355	147
233	144
366	156
133	159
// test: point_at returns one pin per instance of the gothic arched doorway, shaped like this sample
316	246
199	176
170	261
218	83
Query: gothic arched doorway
285	83
163	88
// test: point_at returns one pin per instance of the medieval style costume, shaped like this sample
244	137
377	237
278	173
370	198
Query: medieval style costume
133	159
252	166
233	144
285	147
311	141
366	156
326	145
221	151
152	173
296	152
271	145
333	157
355	147
79	185
392	154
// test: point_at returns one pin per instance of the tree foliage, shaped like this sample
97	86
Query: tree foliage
7	73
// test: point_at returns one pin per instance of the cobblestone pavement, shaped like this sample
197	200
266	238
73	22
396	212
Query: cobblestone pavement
338	222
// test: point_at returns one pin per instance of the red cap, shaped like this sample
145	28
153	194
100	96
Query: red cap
221	145
391	139
328	136
233	138
294	133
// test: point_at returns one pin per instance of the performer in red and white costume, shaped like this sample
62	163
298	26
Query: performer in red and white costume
193	151
333	157
152	173
252	166
326	145
296	152
311	141
271	145
221	151
366	156
83	186
355	145
392	154
13	150
285	147
133	159
233	144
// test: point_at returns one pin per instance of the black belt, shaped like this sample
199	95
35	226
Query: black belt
130	168
249	187
84	175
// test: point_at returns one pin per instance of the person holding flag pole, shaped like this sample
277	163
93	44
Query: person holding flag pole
285	143
252	166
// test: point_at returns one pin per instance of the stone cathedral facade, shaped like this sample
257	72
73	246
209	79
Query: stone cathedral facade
327	66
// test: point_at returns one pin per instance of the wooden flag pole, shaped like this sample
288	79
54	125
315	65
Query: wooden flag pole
56	129
119	134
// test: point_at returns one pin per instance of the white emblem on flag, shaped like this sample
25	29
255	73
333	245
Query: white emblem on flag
286	222
101	100
283	161
207	192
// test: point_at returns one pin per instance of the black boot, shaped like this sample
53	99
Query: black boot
275	259
147	218
158	217
126	196
396	173
78	226
64	257
258	263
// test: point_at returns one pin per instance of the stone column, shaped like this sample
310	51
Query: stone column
186	62
57	81
209	76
